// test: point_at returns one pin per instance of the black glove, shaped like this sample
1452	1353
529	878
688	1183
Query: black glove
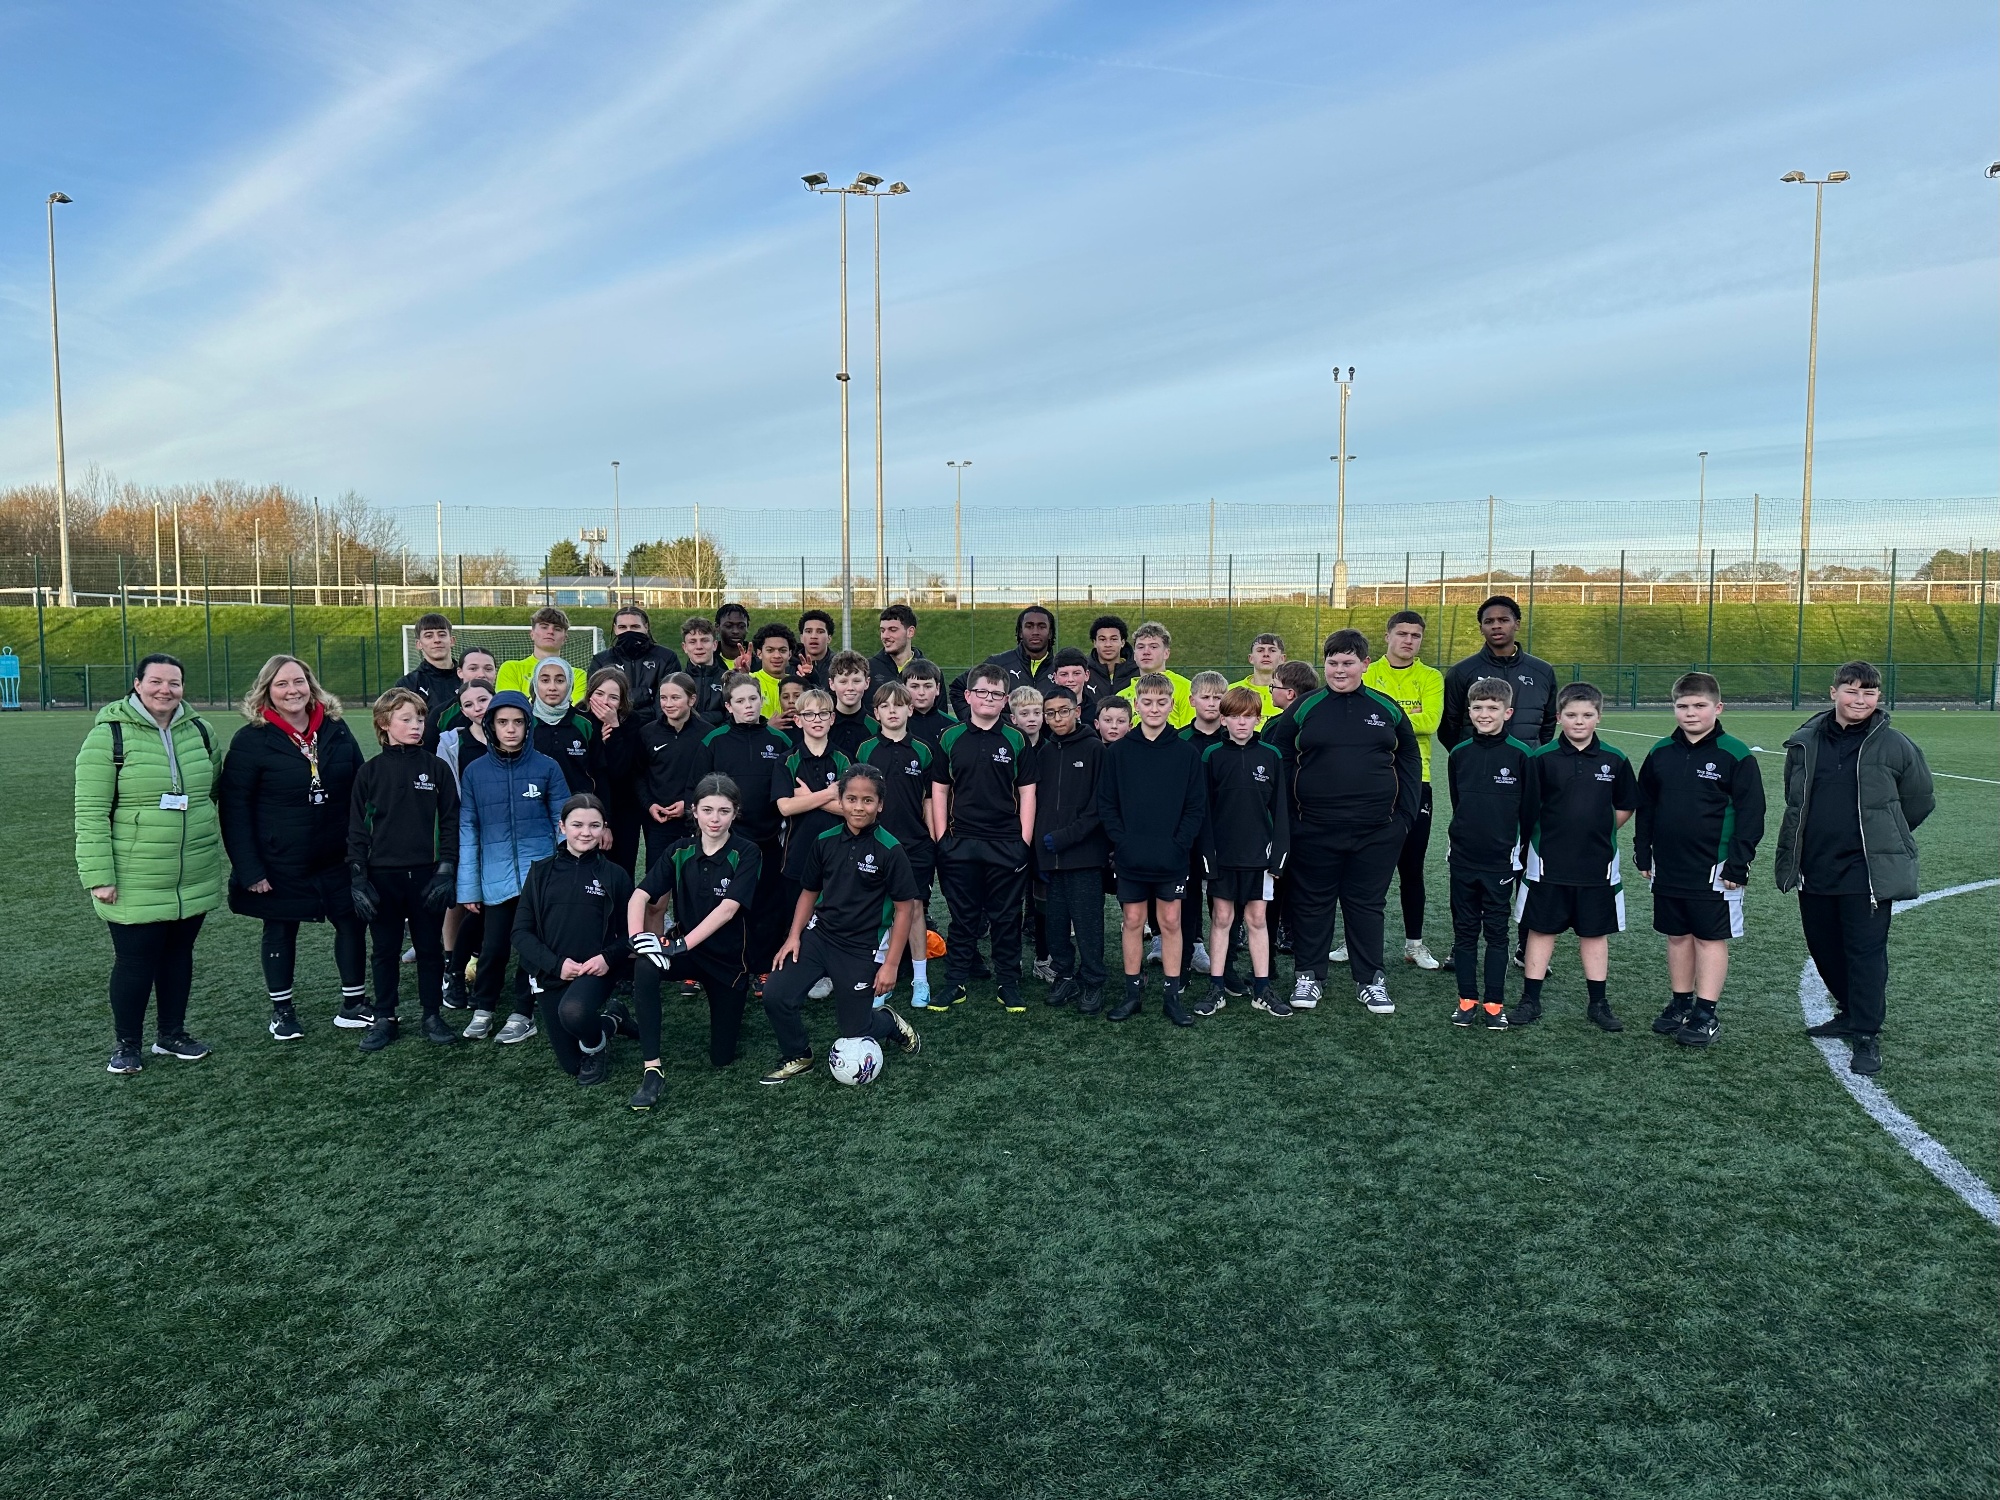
443	889
367	900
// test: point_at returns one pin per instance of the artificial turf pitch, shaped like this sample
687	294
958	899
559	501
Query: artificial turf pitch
1332	1256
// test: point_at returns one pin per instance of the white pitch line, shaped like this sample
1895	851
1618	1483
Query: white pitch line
1930	1154
1640	734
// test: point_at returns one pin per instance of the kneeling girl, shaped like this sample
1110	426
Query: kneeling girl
570	935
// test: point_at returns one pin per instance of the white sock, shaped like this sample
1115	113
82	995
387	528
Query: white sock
921	968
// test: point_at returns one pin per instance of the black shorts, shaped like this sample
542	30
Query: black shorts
1239	887
1133	889
923	865
1711	916
1587	910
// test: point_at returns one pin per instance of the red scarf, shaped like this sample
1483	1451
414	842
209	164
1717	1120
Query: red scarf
308	745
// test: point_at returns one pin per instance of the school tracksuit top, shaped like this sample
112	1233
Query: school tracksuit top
1571	807
1487	777
1701	812
1151	800
1248	825
1352	761
752	756
405	811
572	906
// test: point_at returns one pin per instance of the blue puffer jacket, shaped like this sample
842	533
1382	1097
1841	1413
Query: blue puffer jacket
509	816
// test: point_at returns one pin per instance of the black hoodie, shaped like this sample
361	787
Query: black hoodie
1151	797
1066	772
437	686
572	906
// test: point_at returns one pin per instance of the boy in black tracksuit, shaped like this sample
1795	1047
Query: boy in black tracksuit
1151	799
710	874
402	859
752	754
569	930
1580	792
1071	851
929	717
1485	776
856	902
1244	840
1701	814
814	768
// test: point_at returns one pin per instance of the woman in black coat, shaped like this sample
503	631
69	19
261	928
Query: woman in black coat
287	785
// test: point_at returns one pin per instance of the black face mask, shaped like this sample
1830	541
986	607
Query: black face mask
633	643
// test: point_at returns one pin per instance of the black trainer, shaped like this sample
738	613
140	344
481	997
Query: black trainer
180	1044
1600	1016
650	1088
1234	985
125	1059
354	1015
1466	1013
1700	1028
284	1023
1063	992
1090	1002
1496	1018
1668	1021
385	1030
1867	1059
1126	1009
436	1031
596	1066
620	1015
1175	1009
1833	1030
1212	1002
454	990
1272	1003
1525	1013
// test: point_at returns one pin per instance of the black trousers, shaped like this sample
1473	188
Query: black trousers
400	892
771	906
350	956
573	1016
853	976
625	837
727	983
1343	869
660	836
1410	869
1848	938
496	944
982	890
151	959
1479	901
1075	900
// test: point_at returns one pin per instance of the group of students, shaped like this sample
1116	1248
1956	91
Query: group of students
795	805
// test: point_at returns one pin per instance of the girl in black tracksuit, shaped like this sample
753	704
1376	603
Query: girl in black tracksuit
569	931
402	861
711	875
669	746
752	754
614	759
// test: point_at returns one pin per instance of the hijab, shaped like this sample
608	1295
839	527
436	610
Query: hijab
550	713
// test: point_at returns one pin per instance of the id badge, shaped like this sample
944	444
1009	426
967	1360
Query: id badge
173	802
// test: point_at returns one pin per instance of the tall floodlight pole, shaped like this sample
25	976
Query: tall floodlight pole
1340	503
894	189
958	466
1812	376
617	541
65	595
1700	517
865	185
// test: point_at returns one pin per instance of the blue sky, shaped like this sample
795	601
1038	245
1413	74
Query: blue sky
473	252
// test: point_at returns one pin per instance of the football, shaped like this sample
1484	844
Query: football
855	1060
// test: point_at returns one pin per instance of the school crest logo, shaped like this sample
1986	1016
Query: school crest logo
867	865
1001	756
1504	776
424	782
770	752
1709	773
1604	772
1257	773
595	888
1375	721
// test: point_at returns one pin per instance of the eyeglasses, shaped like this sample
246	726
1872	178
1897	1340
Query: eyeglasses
815	713
985	693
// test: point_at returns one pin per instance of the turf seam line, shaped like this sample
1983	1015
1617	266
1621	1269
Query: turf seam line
1929	1153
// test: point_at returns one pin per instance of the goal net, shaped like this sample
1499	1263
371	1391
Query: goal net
511	643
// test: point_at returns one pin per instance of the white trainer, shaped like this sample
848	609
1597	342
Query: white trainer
822	987
1416	952
1376	998
518	1029
1201	958
1305	994
1153	950
1045	970
479	1027
1339	955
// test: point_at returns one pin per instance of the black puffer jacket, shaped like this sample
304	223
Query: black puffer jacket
274	832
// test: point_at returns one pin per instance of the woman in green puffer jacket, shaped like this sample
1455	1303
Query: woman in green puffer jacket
149	851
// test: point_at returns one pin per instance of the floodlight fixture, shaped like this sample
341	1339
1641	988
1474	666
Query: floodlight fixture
1793	177
867	180
815	179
